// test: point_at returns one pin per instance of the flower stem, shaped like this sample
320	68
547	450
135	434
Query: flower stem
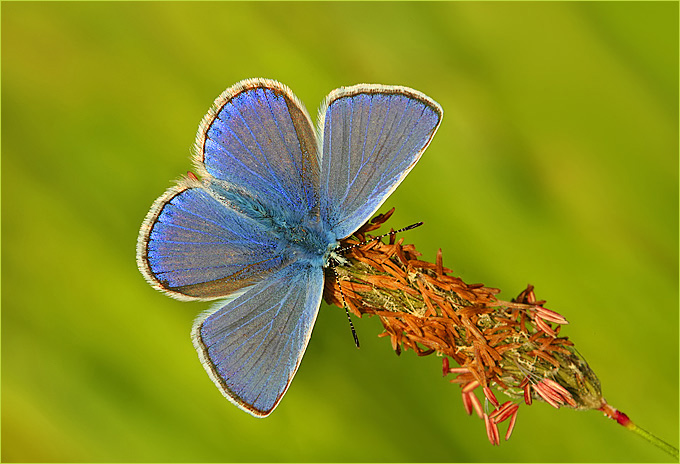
624	420
653	439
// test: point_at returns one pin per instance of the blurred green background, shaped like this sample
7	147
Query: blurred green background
556	164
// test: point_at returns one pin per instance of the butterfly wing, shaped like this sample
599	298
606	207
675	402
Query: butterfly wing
259	137
192	245
257	153
371	137
252	346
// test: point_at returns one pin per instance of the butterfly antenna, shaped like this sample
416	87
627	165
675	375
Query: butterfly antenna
337	276
344	304
392	232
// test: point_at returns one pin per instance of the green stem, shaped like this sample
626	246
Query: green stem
653	439
624	420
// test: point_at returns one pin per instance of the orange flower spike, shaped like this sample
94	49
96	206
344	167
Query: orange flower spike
544	327
467	403
511	346
492	431
476	404
470	386
549	315
507	410
527	394
548	395
511	425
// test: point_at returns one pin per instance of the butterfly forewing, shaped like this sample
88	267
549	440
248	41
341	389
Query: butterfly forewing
258	136
372	136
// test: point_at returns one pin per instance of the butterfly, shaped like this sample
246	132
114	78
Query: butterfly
274	199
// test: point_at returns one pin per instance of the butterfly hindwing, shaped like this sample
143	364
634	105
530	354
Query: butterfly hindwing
252	346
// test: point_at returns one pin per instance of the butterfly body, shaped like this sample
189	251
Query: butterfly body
274	199
302	236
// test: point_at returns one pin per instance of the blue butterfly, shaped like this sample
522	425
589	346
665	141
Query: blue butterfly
275	198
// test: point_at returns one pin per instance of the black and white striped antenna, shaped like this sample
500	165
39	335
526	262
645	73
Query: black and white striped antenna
335	263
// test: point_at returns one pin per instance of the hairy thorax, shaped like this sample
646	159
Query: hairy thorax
301	235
